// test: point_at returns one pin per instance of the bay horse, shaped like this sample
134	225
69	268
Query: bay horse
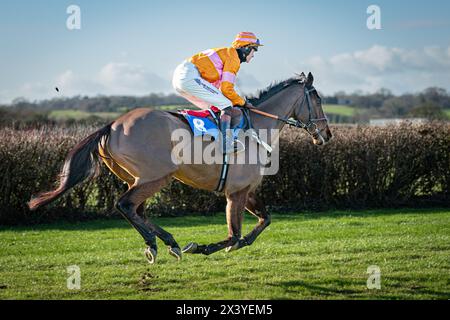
137	148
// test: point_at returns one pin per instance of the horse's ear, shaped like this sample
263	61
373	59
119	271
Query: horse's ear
309	80
301	77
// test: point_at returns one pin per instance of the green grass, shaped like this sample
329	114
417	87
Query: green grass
71	114
447	112
68	114
339	109
173	107
79	115
308	256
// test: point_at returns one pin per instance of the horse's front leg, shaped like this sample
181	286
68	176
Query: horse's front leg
235	205
256	207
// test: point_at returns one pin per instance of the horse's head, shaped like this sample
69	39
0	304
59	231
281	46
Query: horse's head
309	113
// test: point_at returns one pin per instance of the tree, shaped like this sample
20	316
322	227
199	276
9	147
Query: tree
437	96
399	106
428	110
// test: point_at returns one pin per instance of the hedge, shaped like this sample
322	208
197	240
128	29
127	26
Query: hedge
363	167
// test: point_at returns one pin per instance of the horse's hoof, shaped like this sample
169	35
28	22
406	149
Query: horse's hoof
233	247
150	253
190	248
175	252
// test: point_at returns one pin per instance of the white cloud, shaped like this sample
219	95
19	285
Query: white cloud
66	79
399	69
112	79
124	78
69	84
28	91
247	82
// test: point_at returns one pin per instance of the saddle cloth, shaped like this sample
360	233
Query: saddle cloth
201	123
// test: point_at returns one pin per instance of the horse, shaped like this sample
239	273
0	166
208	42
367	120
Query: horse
137	146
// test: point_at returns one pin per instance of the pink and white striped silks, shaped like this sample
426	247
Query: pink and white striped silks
218	64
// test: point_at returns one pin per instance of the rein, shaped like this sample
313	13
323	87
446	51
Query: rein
297	123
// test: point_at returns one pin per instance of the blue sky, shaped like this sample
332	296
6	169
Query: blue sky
132	47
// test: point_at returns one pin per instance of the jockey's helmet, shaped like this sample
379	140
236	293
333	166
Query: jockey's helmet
246	39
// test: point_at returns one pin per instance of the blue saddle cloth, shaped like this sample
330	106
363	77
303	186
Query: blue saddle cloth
203	126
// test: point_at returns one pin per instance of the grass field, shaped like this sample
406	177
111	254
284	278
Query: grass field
71	114
447	112
339	109
310	256
80	115
67	114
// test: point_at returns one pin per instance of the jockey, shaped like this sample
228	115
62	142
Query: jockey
207	79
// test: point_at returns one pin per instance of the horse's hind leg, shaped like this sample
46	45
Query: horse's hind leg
129	203
166	237
235	205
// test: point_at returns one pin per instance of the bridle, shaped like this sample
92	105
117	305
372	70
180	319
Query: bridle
311	121
311	125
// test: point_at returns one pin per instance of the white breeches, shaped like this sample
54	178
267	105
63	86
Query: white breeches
190	85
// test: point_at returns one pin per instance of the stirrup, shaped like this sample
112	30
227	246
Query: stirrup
234	146
239	146
229	148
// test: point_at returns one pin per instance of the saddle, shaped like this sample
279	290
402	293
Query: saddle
201	113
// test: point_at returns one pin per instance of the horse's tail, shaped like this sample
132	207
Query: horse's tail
82	162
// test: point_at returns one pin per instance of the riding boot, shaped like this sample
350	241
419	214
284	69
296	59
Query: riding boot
227	139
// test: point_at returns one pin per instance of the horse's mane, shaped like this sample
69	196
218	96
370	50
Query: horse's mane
274	88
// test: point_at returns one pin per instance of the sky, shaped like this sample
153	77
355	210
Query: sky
132	47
